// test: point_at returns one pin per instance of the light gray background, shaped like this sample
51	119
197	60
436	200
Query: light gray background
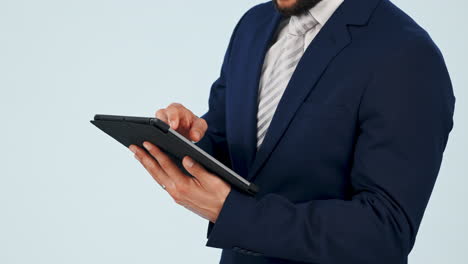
70	194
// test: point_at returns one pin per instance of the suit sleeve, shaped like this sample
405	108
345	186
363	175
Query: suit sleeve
405	117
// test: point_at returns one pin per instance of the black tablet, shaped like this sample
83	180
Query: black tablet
130	130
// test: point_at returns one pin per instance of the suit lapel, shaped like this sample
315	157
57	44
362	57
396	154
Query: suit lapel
332	38
242	105
246	94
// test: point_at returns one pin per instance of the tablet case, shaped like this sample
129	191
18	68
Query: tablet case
136	130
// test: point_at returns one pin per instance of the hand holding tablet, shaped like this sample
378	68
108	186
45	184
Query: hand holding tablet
204	193
137	130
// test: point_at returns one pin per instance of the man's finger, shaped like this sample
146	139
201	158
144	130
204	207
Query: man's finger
166	163
151	166
162	115
173	117
197	171
198	129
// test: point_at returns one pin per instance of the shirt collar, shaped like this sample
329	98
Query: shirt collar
324	10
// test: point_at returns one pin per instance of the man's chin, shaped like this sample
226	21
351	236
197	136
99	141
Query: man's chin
294	7
285	4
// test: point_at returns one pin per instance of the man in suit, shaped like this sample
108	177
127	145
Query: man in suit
340	112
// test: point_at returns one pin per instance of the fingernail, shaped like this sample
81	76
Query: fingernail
146	145
189	162
197	135
132	149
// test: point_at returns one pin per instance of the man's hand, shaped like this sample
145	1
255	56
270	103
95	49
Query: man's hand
183	121
204	194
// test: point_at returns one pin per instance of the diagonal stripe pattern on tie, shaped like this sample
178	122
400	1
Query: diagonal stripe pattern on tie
277	72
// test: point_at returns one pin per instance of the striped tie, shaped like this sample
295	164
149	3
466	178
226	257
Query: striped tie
277	71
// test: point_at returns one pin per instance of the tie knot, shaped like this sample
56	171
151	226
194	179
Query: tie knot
299	25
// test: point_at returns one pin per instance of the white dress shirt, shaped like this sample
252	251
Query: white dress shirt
280	61
321	12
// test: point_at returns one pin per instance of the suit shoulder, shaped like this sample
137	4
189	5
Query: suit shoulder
258	13
262	9
396	31
393	44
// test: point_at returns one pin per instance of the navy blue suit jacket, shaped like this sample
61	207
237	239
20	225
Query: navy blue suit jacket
352	154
